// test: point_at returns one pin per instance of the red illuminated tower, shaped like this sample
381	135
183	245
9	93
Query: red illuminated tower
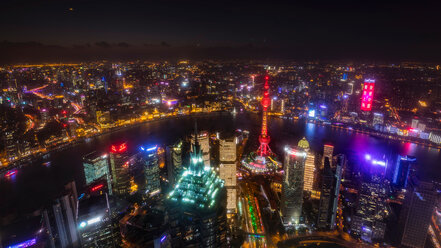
264	138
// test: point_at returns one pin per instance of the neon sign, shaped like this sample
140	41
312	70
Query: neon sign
368	95
118	148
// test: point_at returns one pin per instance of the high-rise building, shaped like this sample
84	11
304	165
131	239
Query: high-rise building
417	212
309	174
95	223
60	220
368	221
10	145
227	170
328	151
96	166
146	227
326	197
368	94
196	206
203	139
378	119
292	185
402	169
415	123
149	159
119	164
340	163
174	162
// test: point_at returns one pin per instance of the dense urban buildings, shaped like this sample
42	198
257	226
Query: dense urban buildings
332	171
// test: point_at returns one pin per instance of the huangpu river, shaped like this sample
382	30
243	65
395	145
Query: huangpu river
36	184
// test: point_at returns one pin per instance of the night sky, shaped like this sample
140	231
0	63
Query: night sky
91	29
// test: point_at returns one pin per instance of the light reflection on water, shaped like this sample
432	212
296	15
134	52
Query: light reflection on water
36	184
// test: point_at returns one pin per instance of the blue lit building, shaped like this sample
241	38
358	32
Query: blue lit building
197	206
402	169
150	162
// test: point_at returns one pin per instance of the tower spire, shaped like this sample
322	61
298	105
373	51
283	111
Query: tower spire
264	138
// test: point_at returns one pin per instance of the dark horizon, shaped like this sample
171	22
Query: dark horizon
48	30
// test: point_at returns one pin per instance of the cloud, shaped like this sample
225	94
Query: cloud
123	45
102	44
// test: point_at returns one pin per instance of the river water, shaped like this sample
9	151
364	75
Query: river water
36	184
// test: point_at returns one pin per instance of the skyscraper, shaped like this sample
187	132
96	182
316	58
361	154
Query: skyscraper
197	206
60	219
119	163
416	214
292	185
203	139
328	151
368	94
323	220
94	222
174	162
309	173
96	166
149	160
227	170
402	169
368	221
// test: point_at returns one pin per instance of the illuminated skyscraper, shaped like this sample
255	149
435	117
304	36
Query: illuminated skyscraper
402	170
415	217
149	160
292	185
94	222
227	170
328	151
203	139
96	166
309	173
174	162
368	94
378	119
119	164
197	206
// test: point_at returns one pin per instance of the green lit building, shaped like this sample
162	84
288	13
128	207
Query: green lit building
96	166
197	206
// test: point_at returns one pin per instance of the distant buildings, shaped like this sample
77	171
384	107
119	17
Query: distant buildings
417	212
292	185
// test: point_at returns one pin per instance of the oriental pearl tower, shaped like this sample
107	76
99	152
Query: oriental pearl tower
264	138
263	160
